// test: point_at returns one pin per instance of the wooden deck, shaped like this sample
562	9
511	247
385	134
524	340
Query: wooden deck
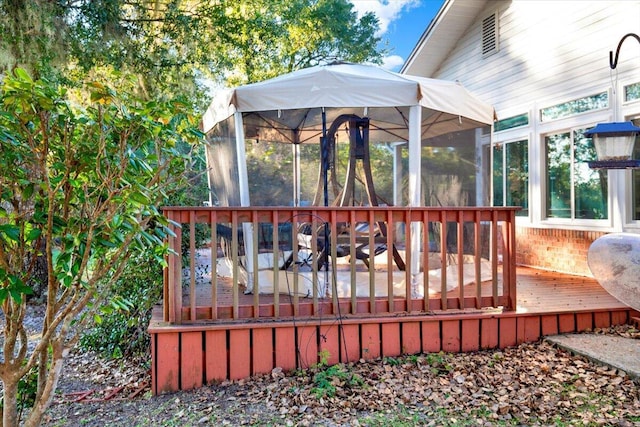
192	354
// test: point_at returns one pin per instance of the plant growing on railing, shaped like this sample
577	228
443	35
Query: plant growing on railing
79	186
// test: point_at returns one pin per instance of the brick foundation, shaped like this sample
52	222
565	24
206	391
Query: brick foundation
555	249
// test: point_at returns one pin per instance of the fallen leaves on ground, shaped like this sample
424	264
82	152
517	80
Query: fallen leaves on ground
532	384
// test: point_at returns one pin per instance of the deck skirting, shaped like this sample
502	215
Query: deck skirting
190	356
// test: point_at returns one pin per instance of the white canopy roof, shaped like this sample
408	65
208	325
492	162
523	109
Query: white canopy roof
288	108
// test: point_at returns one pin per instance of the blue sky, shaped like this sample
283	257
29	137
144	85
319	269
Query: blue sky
402	22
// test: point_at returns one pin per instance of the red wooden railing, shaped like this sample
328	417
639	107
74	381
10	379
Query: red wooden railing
339	278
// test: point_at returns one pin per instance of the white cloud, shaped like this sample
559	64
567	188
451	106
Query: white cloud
387	11
392	62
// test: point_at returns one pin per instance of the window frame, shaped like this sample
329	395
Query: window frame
572	220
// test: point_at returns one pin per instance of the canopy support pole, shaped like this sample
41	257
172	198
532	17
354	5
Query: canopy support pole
296	174
415	166
243	183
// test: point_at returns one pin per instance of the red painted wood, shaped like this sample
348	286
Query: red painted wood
215	365
262	351
239	354
531	332
601	319
248	306
619	317
350	343
167	362
391	340
584	321
520	330
470	335
489	333
566	323
549	325
371	344
191	360
154	360
308	346
507	334
431	342
411	338
285	348
451	335
329	343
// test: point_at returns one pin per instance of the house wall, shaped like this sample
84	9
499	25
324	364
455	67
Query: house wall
555	249
551	53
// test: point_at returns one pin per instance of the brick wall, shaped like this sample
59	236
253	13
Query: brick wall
553	249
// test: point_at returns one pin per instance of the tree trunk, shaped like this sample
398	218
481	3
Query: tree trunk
10	402
46	396
39	279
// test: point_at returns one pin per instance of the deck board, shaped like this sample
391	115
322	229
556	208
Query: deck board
548	303
538	291
542	291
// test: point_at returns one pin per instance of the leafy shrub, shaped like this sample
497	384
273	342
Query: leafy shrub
120	330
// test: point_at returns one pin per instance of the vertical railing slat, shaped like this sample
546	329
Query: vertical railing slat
296	269
213	220
170	295
372	261
509	261
408	270
314	263
352	260
177	273
494	258
334	255
477	246
460	250
235	261
443	260
425	258
192	265
389	224
276	259
256	264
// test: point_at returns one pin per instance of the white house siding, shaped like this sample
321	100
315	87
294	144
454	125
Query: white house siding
551	52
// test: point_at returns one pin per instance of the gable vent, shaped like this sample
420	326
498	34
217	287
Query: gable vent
489	35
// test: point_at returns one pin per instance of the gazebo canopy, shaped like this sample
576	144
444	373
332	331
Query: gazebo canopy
288	108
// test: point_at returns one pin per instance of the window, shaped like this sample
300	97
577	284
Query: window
490	35
511	122
632	93
635	180
511	175
574	191
577	106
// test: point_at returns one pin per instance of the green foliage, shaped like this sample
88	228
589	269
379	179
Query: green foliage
326	378
439	363
120	327
392	361
79	185
180	47
267	38
87	179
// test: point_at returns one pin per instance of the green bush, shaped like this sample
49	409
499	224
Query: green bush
120	330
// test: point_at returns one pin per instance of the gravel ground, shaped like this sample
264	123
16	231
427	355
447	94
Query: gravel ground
532	384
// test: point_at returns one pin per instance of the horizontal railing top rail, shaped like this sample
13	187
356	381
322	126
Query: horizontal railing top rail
277	262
